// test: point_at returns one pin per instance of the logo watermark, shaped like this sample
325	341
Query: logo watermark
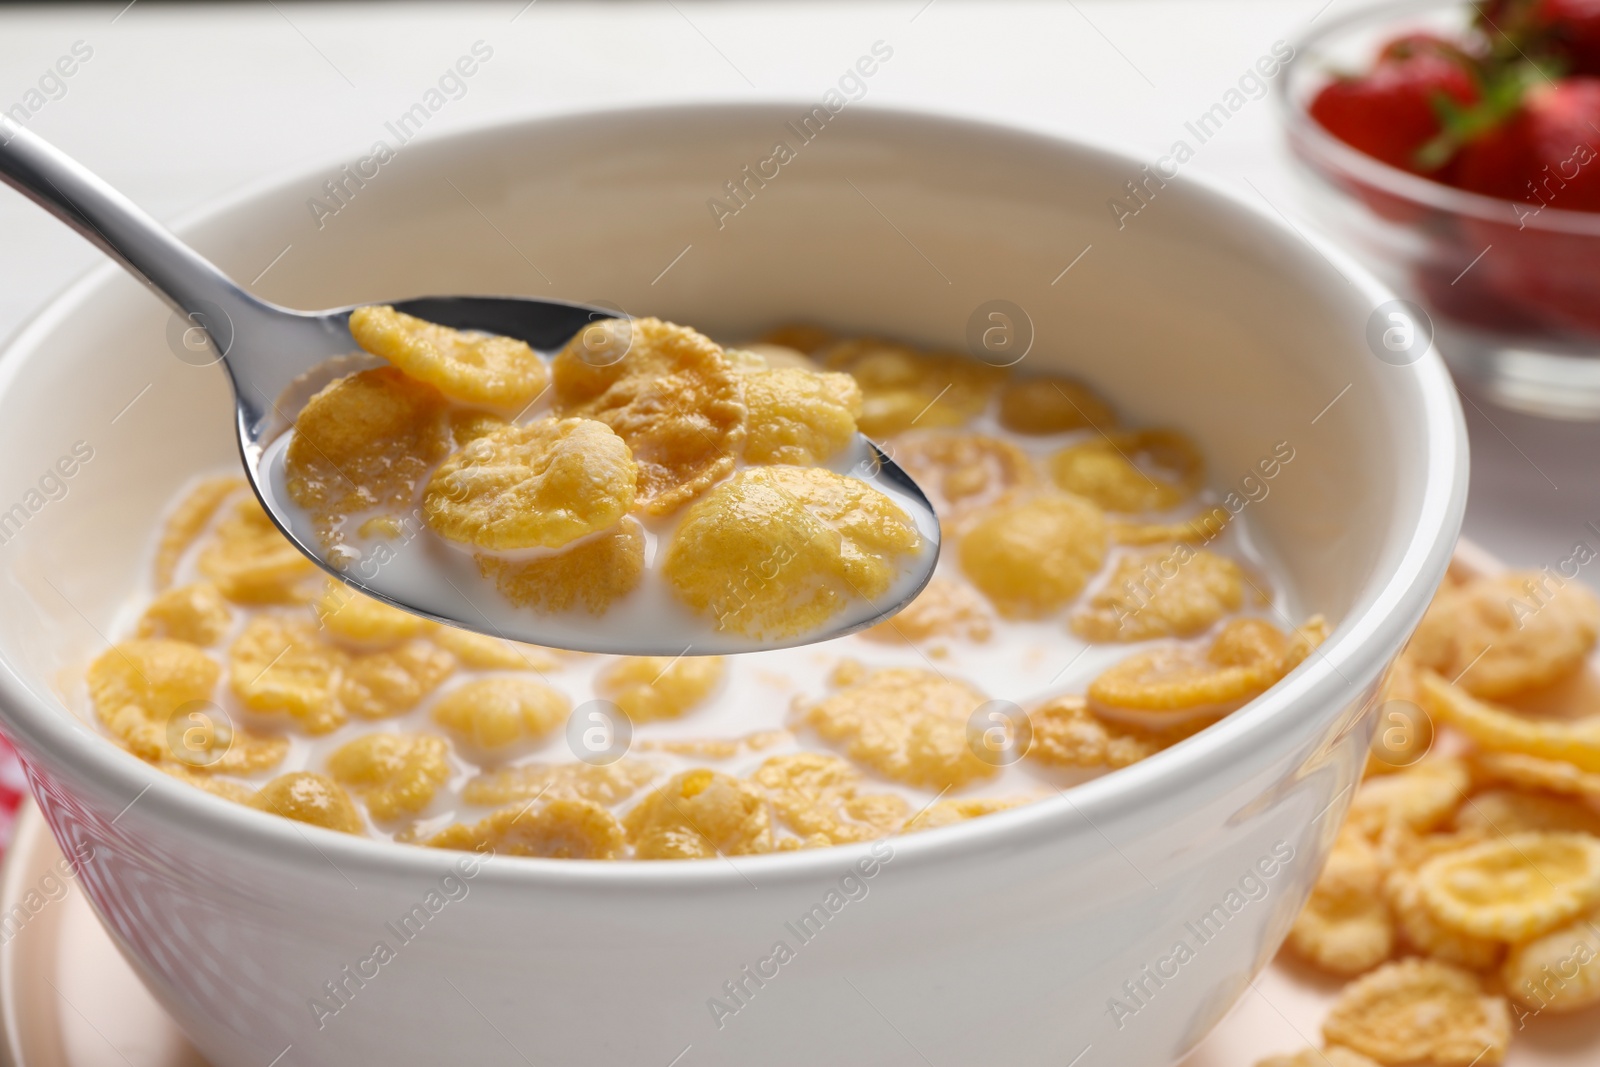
342	189
340	991
1138	992
739	991
1399	332
1250	86
740	190
51	486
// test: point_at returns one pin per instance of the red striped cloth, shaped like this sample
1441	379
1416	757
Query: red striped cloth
13	789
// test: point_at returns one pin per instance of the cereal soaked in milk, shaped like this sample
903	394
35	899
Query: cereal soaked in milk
647	481
1092	606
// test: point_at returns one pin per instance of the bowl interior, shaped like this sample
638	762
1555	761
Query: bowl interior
1196	311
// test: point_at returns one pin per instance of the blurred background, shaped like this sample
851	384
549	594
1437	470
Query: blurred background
179	104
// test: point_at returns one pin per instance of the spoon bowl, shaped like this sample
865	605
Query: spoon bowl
277	358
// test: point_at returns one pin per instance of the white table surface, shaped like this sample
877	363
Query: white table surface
181	104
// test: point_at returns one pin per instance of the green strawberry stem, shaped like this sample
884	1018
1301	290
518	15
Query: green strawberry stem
1503	87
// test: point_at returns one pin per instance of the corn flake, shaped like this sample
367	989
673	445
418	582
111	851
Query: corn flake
280	665
1404	849
1496	637
1131	471
592	574
382	527
366	441
482	652
1200	530
902	387
1345	927
1514	887
543	485
1424	933
1506	811
960	471
469	424
716	748
1053	405
1421	798
944	608
668	392
799	416
951	812
648	688
251	562
776	551
1501	730
1176	591
753	358
194	613
1033	554
606	785
1558	971
819	794
1332	1056
1531	772
1165	686
907	724
187	520
476	368
800	337
202	739
1420	1012
558	828
361	620
310	798
396	774
501	711
700	814
381	685
138	685
1067	734
142	691
226	788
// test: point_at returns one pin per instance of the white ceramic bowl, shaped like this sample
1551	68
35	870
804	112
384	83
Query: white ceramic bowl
1031	937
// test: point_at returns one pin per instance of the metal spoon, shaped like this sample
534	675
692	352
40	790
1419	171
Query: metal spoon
269	350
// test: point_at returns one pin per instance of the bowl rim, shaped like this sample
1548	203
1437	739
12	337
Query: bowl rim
1313	143
1338	673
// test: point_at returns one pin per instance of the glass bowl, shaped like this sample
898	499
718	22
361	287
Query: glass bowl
1511	290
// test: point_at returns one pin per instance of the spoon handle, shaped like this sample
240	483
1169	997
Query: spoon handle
75	195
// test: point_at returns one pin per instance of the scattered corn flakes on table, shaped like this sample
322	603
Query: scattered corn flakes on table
1455	921
1284	1009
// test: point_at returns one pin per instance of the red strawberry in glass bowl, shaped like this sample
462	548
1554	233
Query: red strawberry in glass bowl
1566	30
1540	155
1544	158
1574	28
1458	149
1391	111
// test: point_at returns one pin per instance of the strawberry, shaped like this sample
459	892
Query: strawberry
1542	155
1551	276
1393	110
1409	44
1471	297
1567	30
1574	29
1547	155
